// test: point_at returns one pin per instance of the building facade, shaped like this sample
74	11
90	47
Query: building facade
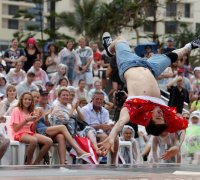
169	13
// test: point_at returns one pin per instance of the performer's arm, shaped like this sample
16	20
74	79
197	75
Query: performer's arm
109	141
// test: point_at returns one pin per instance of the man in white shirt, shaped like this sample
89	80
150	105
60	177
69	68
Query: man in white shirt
27	85
86	55
98	117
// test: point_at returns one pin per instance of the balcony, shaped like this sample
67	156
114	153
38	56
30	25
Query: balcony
18	3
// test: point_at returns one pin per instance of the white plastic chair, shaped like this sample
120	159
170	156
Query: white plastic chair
129	145
16	150
55	155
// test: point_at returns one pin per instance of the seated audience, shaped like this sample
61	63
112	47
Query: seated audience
195	105
4	141
52	60
58	133
7	105
3	84
27	85
128	134
97	87
64	110
98	117
32	52
16	75
40	75
81	92
61	73
2	69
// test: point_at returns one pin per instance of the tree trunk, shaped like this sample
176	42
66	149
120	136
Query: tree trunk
137	35
154	20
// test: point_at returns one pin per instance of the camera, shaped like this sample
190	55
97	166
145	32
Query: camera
120	98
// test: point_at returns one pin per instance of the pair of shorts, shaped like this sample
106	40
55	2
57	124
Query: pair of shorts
17	137
126	59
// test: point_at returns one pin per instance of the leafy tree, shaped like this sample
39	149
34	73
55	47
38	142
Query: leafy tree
51	30
79	20
92	18
183	37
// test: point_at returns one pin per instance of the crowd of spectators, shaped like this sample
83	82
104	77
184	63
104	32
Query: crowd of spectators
42	95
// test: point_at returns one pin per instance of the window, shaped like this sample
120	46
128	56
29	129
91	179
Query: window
171	27
148	27
150	11
198	27
171	9
12	10
187	10
13	24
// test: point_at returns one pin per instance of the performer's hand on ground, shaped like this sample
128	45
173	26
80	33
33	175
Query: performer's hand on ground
171	152
106	145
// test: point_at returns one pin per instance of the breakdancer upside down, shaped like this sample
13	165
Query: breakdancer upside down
144	105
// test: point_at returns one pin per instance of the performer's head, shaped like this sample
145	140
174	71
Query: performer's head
157	123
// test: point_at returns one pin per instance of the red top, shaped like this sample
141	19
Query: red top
140	112
97	56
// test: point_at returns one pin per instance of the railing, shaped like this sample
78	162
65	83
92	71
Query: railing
165	97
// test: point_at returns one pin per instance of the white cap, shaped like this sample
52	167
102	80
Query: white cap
195	114
197	68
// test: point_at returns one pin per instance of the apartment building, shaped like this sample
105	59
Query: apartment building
8	25
169	13
169	16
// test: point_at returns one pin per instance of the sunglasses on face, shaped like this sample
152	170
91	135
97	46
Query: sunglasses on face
187	118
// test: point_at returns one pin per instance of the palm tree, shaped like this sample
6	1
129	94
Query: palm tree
91	18
79	20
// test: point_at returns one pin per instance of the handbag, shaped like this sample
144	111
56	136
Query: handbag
70	124
80	125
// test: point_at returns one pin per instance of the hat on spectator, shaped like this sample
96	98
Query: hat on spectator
195	114
197	69
31	41
43	92
170	39
49	83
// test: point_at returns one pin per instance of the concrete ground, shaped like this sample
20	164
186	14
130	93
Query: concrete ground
102	172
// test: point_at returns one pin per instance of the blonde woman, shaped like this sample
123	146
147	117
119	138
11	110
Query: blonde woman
7	104
61	73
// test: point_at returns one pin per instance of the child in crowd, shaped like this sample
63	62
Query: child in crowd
128	134
23	117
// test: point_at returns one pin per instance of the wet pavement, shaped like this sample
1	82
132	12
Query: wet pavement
102	172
